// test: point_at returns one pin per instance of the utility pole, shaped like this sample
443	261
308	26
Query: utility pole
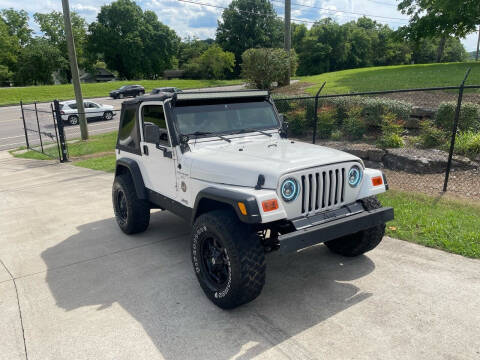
478	43
74	69
288	35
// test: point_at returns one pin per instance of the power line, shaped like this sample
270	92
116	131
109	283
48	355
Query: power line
342	11
272	15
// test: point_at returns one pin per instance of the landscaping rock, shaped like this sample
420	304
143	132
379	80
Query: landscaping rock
418	161
376	154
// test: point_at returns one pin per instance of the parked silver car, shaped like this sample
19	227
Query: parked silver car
93	110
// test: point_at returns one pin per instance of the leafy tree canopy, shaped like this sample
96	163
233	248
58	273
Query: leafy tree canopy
17	22
241	29
132	41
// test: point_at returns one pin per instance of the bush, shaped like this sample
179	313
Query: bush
354	126
373	109
213	63
326	122
469	116
391	133
468	143
337	135
262	67
431	136
297	123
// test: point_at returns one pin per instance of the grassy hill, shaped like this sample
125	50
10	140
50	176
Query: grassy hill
394	77
28	94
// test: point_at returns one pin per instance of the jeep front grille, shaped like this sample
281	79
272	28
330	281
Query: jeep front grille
323	189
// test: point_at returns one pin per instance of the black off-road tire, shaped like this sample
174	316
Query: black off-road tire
134	216
244	258
363	241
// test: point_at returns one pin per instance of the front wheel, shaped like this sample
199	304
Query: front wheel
227	258
132	214
108	115
363	241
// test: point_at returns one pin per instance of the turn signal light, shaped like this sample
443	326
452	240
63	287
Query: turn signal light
377	181
270	205
242	208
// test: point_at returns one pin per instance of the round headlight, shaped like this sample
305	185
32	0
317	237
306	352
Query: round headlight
289	189
354	176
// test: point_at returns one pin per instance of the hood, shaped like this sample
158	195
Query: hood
240	163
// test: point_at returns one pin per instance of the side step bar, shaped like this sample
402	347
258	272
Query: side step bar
334	229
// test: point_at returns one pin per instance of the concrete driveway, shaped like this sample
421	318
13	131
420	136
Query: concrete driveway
86	291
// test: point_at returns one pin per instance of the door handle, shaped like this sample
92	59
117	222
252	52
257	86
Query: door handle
166	152
145	150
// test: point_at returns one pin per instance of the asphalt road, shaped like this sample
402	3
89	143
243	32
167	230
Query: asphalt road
73	286
12	133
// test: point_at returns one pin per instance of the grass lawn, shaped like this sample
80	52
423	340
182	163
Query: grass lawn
97	144
394	77
450	225
103	163
28	94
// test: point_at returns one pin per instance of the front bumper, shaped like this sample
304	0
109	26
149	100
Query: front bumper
344	224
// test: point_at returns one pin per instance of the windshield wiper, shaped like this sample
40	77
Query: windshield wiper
200	133
254	130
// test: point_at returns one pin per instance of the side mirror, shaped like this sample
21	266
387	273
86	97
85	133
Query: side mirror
151	133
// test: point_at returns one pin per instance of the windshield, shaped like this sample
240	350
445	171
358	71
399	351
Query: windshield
122	87
225	118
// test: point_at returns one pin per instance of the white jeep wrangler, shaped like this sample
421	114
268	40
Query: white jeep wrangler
222	161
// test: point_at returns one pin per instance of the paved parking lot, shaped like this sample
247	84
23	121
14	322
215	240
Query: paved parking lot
86	291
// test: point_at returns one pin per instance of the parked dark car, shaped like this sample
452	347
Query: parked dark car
166	90
128	90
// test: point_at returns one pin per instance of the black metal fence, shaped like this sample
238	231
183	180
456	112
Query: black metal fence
41	129
415	131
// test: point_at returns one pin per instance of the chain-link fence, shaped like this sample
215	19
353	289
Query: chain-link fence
406	133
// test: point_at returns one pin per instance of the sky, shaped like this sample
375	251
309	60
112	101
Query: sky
193	20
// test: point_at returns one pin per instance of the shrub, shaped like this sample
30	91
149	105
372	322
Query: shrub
262	67
213	63
468	143
297	123
469	116
326	122
391	133
336	135
373	109
431	136
354	126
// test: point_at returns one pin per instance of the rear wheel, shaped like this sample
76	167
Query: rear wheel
132	214
227	258
73	120
363	241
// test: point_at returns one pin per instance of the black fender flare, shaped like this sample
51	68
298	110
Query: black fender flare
231	198
134	170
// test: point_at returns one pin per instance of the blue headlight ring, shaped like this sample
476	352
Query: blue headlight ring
358	176
294	194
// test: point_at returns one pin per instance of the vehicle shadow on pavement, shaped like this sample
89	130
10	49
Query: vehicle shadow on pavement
150	275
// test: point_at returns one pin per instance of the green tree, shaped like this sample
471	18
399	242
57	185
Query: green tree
9	48
131	41
17	22
189	49
263	67
241	28
37	61
53	28
440	18
213	63
425	50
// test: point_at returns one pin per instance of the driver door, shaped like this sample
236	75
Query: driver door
159	159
